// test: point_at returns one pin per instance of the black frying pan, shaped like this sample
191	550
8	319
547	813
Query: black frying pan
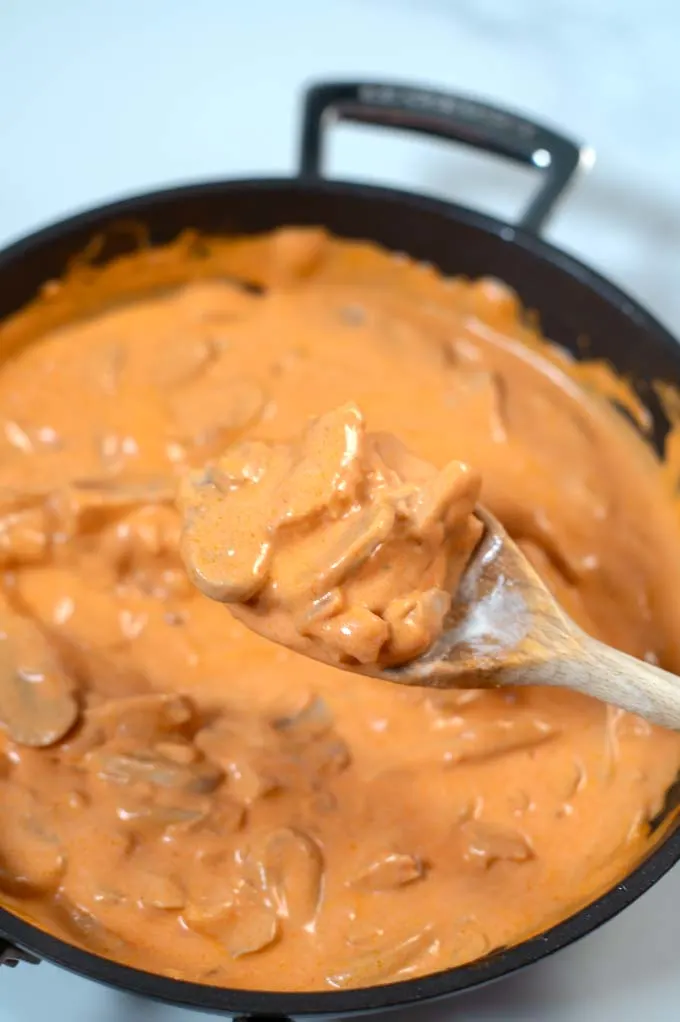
573	303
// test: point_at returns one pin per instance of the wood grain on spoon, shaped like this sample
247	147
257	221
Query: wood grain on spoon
505	628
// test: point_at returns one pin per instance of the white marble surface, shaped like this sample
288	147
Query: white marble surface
100	99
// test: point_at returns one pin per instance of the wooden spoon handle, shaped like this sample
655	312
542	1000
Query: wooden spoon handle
614	677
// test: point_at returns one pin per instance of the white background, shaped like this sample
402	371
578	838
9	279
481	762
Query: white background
102	98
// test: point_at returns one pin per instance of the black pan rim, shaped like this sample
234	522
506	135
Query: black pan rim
94	217
406	992
402	994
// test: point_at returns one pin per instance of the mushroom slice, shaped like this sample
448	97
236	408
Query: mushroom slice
87	929
150	716
484	843
37	700
389	871
154	890
384	962
149	816
327	471
219	410
24	537
32	859
312	720
253	929
293	868
231	911
123	766
86	505
352	541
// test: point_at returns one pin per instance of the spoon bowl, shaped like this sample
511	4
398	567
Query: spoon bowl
505	628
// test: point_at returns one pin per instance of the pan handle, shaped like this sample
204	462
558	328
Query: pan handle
449	116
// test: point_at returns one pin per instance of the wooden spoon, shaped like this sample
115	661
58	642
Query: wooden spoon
505	628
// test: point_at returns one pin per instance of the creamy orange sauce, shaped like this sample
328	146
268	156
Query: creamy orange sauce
341	545
179	793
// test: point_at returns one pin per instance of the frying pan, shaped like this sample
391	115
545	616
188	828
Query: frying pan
573	302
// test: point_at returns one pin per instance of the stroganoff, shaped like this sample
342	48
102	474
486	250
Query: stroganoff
183	795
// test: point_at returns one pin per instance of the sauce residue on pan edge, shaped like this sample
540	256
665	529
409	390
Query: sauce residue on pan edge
182	795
